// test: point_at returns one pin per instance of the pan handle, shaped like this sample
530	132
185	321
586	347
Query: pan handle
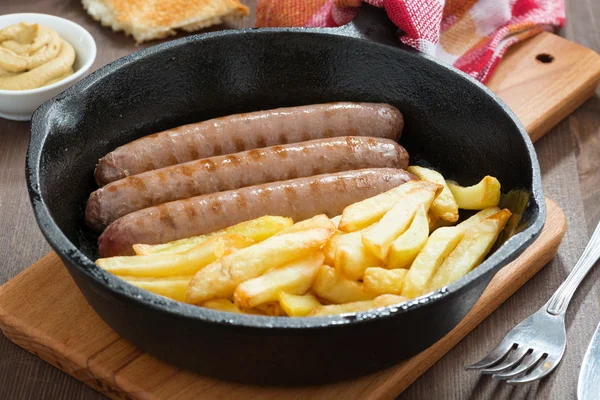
372	24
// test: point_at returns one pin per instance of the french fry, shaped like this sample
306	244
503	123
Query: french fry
437	248
333	287
405	248
378	237
384	281
360	215
295	277
444	206
336	220
330	246
472	249
476	218
219	279
222	305
257	229
320	221
482	195
187	263
351	257
381	301
436	222
273	309
298	306
172	287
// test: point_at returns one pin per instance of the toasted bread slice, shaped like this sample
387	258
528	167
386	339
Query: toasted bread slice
157	19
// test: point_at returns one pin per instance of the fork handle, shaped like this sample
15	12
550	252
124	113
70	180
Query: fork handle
558	303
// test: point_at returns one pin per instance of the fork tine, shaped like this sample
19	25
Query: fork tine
493	356
525	364
513	358
547	366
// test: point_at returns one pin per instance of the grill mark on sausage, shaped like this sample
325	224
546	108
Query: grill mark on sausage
290	193
215	207
293	173
239	144
261	140
209	165
280	151
217	150
165	217
137	183
242	200
283	138
352	142
255	155
185	169
189	210
233	159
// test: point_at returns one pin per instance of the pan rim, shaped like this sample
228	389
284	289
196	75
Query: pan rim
71	254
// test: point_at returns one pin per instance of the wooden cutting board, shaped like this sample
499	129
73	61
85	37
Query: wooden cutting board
542	80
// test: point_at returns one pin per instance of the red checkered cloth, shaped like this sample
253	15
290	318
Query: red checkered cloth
472	35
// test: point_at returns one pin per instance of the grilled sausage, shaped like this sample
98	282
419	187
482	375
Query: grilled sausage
253	167
241	132
299	199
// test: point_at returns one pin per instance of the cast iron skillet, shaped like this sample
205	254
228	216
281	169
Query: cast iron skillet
452	123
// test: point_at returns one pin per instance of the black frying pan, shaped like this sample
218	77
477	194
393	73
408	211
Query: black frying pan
452	123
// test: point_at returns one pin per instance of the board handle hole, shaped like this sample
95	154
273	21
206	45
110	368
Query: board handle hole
544	58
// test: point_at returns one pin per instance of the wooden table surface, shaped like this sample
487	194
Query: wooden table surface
570	161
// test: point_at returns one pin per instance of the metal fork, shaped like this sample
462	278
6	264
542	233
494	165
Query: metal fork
534	348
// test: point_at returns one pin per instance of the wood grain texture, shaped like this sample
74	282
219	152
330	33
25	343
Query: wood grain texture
56	324
569	160
543	93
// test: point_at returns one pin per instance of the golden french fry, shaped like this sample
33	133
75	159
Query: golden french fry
405	248
360	215
273	309
438	246
333	287
298	306
295	277
378	237
222	305
384	281
329	248
257	229
187	263
320	221
219	279
482	195
173	287
351	257
472	249
444	206
358	306
476	218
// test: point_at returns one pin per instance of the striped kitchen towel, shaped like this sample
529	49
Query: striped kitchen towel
472	35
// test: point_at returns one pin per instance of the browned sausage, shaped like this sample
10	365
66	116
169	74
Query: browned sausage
296	198
241	132
253	167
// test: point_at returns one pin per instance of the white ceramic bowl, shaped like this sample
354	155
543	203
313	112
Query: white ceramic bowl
19	105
